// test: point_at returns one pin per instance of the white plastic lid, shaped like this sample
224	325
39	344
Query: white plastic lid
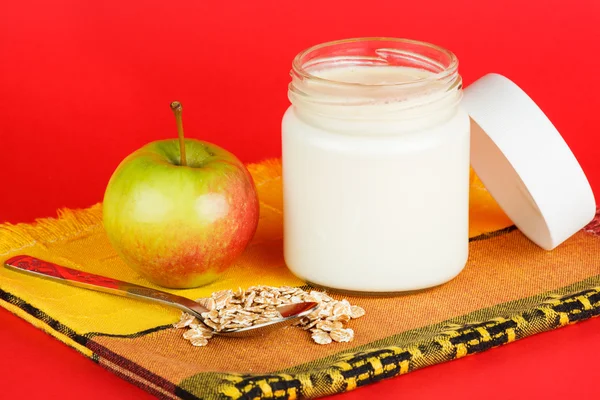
525	164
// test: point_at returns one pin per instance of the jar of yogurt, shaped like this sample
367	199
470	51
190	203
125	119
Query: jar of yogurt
375	166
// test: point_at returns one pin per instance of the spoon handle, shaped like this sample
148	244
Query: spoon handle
73	277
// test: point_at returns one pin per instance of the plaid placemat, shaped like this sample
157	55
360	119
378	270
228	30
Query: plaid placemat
510	289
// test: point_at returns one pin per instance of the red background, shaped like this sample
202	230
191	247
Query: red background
83	84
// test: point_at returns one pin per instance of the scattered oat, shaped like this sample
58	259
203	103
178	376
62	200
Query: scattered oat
321	337
342	335
202	329
239	293
328	326
249	299
185	320
357	312
228	309
342	308
192	334
201	341
306	323
208	303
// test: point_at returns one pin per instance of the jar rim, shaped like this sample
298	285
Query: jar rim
446	71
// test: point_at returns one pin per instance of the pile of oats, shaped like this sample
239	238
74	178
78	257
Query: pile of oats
257	305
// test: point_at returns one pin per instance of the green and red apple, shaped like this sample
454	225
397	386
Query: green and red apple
180	212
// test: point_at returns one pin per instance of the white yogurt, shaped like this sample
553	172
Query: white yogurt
376	178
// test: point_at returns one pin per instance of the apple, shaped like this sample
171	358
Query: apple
180	212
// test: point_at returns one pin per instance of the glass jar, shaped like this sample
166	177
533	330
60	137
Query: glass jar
375	166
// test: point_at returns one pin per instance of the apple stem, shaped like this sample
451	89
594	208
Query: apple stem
176	107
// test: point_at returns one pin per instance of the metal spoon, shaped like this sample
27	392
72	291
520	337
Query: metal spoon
73	277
